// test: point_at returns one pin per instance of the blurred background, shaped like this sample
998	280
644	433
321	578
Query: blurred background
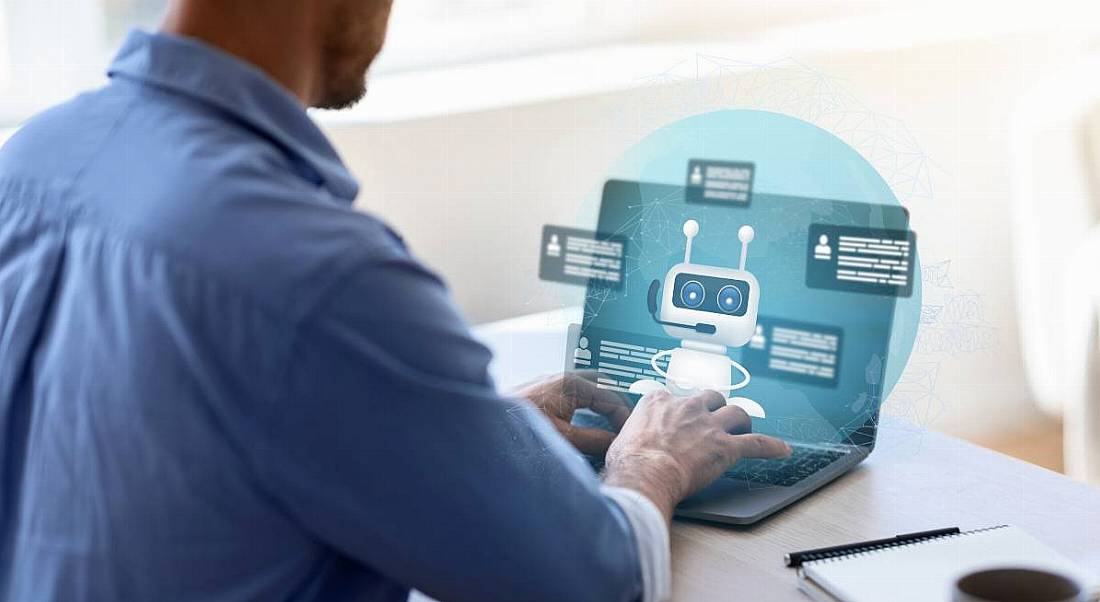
488	118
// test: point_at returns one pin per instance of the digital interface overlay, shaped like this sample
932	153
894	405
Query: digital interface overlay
818	356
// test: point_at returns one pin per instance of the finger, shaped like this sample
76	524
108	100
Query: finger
584	384
656	396
583	387
733	419
589	375
591	441
616	412
759	446
712	399
586	393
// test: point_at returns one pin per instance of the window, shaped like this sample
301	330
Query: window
427	33
50	49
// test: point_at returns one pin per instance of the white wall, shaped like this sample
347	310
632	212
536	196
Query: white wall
45	65
470	192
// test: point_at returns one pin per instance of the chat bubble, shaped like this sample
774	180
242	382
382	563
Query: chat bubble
860	260
795	351
719	182
575	256
619	358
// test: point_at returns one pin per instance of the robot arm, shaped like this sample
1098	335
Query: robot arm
744	373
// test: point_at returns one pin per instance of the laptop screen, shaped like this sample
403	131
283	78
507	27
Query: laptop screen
829	274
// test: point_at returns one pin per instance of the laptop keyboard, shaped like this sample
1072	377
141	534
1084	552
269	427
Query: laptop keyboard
803	462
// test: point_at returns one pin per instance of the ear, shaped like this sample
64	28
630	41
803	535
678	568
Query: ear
651	300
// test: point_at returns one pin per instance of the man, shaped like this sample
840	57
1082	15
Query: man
219	382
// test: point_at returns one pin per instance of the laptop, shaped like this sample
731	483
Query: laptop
828	276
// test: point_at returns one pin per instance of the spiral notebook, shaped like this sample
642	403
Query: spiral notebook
926	570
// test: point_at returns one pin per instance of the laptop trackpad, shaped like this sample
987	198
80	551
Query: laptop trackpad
729	500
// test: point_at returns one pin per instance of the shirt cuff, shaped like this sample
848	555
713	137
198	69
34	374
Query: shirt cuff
651	537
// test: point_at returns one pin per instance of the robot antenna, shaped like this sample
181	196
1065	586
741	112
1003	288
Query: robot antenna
691	228
745	234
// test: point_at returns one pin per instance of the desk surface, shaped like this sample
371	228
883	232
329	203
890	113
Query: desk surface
915	480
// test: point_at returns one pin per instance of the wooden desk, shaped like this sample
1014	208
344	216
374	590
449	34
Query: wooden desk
915	480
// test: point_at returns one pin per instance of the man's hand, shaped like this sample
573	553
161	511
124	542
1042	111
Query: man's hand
671	447
560	396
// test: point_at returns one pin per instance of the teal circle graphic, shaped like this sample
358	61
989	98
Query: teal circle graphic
791	157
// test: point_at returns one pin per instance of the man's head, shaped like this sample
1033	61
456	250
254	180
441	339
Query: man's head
352	33
319	49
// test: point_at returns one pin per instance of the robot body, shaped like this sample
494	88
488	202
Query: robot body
710	309
692	370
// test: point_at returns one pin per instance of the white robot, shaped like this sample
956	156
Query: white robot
710	309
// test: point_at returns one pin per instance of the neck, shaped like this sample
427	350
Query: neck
278	39
704	347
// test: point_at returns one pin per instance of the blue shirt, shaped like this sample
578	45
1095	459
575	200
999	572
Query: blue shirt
218	381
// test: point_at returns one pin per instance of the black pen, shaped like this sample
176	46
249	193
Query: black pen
795	559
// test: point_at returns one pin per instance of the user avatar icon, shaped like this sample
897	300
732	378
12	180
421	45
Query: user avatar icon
823	250
554	248
697	176
582	354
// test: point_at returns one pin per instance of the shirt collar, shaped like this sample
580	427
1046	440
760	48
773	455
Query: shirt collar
189	67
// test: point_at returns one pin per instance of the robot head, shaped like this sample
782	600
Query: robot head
706	303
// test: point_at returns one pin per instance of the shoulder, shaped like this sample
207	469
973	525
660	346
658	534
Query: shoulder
203	189
199	187
283	241
212	192
54	144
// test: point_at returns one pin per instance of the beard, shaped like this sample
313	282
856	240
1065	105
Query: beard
343	89
354	37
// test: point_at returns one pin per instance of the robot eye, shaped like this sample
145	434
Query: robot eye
729	299
692	294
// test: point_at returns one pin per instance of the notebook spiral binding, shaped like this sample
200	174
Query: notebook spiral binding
824	557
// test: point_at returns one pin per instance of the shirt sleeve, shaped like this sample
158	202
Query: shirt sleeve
390	444
651	538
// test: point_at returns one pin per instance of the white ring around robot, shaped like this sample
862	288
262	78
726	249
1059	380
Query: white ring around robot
741	385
